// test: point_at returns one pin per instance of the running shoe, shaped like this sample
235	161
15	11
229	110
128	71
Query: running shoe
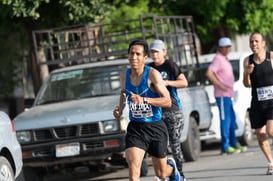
269	169
175	175
241	148
158	179
231	150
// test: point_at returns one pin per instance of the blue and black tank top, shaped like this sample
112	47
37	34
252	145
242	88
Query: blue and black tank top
141	112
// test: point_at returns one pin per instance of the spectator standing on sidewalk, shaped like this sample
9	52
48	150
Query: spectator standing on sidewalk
220	73
258	74
173	117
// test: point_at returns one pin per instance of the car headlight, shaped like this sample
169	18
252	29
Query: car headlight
23	136
110	126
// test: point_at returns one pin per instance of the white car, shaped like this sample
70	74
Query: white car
10	150
241	100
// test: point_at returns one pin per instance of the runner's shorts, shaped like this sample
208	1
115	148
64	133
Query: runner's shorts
151	137
260	112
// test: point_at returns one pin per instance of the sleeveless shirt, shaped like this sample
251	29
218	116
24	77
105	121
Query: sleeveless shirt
170	71
141	112
262	79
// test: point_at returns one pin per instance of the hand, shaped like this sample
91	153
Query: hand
250	68
135	98
117	112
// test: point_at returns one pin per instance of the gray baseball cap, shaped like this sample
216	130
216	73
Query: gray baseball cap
157	45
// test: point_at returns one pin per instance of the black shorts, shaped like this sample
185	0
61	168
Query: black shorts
260	112
151	137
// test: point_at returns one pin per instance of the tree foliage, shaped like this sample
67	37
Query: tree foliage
212	18
226	17
49	12
21	17
11	52
127	10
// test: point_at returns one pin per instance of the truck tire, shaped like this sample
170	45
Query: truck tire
33	173
191	147
248	135
6	172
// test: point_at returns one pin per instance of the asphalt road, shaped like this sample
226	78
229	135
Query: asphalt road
211	166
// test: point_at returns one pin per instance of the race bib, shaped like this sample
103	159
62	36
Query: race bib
141	110
265	93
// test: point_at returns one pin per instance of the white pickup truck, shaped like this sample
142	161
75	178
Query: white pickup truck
241	101
71	119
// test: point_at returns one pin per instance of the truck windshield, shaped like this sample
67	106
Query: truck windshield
81	83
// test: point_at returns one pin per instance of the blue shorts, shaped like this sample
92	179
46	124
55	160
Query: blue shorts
151	137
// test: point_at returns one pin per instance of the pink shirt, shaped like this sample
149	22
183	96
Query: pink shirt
222	69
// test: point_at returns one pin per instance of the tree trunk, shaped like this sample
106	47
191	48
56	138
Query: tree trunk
30	25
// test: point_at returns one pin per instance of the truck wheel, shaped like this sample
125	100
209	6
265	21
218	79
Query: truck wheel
191	147
33	173
6	172
247	136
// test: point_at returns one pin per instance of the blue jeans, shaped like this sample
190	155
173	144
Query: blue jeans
227	122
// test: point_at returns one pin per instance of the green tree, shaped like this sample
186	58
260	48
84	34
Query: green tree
50	13
36	14
225	18
9	56
126	10
212	18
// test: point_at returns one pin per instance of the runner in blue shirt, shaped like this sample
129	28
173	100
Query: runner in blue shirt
142	89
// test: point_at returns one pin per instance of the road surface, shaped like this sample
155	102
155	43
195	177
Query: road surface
211	166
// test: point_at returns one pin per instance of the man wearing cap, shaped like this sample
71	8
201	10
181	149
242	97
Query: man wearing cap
173	116
220	73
